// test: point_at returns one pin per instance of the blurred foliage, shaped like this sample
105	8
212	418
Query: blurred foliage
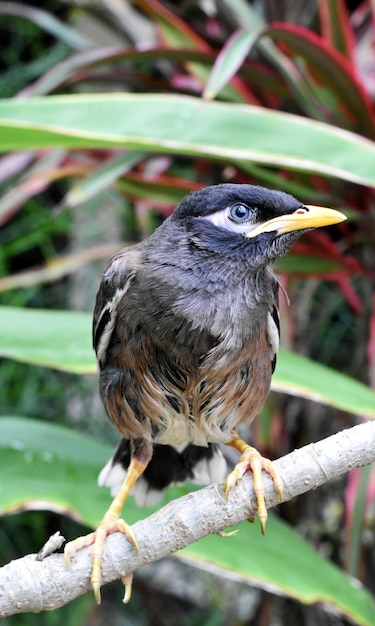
63	210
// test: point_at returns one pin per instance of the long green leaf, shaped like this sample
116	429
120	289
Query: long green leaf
53	466
302	377
228	61
47	466
62	340
57	339
185	125
283	561
102	177
248	17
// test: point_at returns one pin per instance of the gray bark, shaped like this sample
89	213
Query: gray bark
31	585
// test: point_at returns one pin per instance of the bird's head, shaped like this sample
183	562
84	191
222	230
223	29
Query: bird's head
262	223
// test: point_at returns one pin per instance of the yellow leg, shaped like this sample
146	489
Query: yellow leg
252	460
110	523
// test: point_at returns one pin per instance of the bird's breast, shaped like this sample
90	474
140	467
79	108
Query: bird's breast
234	386
152	393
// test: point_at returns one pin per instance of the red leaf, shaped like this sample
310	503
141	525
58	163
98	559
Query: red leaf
334	70
162	15
336	29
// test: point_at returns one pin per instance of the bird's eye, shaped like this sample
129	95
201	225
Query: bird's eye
239	213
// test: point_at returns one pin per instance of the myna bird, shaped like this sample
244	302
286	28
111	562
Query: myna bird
186	333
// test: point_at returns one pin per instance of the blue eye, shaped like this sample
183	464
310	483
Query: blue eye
239	213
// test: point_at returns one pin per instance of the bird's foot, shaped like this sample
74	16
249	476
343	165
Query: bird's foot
252	460
107	526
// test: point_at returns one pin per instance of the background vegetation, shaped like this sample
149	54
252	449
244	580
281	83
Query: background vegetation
82	176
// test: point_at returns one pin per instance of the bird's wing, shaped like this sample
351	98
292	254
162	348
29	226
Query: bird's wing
116	282
273	326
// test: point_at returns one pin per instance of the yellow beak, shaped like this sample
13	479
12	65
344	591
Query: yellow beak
307	216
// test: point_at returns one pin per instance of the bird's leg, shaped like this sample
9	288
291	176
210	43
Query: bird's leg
112	522
252	460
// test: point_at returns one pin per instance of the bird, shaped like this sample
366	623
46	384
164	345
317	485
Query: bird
186	334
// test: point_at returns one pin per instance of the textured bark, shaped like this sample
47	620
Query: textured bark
31	585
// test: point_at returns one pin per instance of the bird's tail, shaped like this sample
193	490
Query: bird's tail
168	466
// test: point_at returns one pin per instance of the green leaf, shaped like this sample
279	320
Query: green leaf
186	125
302	377
177	34
249	18
102	177
283	561
46	466
57	339
162	189
62	340
228	61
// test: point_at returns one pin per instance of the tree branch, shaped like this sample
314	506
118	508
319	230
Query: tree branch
31	585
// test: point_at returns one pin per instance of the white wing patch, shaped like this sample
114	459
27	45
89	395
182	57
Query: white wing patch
110	311
213	470
113	475
273	334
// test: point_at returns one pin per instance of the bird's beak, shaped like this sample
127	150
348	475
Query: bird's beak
305	217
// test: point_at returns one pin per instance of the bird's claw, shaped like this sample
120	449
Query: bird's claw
252	460
96	539
229	534
127	581
73	546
